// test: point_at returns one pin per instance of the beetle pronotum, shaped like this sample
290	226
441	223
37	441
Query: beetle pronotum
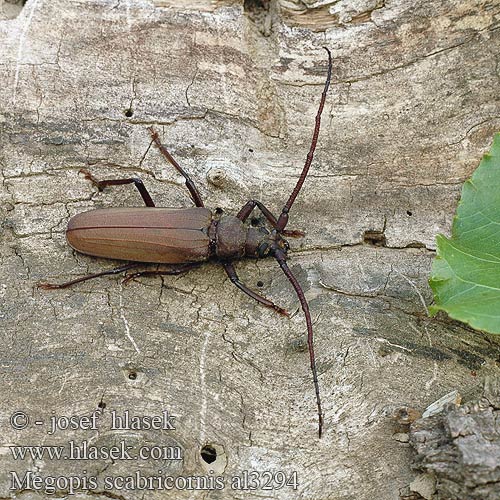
188	237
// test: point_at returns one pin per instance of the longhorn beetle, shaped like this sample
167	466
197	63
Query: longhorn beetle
187	237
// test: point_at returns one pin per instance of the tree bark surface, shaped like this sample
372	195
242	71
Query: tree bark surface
233	90
460	446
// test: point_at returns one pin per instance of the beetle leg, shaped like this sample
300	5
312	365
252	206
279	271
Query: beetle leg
231	272
53	286
118	182
183	268
195	195
247	209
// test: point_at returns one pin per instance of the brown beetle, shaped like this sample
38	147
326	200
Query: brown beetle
187	237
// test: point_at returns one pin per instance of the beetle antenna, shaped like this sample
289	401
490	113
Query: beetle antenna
280	257
283	218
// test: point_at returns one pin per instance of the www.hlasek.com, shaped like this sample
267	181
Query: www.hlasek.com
85	451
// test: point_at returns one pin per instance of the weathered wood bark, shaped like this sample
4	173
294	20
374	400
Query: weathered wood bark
233	90
461	447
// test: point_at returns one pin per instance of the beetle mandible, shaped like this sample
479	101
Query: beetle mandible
188	237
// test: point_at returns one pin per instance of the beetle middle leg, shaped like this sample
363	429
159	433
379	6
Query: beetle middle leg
247	209
183	268
231	272
118	182
195	195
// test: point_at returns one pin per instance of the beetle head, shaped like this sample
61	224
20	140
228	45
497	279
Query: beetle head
263	243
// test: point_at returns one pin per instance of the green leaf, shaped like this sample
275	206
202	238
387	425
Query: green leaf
466	272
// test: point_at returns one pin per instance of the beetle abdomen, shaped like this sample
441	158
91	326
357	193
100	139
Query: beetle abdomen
159	235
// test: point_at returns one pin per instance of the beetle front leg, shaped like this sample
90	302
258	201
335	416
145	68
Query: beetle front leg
118	182
116	270
247	209
231	272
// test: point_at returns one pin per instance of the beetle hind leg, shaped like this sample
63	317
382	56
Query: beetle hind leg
116	270
231	272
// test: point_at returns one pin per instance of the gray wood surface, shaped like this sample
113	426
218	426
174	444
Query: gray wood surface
233	92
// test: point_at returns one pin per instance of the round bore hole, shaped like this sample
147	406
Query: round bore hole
128	113
208	454
260	284
255	221
132	375
218	210
409	213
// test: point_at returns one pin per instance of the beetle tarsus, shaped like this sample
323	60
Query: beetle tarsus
282	311
293	233
90	177
129	277
49	286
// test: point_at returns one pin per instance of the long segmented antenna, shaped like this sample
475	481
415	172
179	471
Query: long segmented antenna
283	218
280	257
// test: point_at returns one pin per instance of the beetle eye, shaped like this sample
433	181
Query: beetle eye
263	247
